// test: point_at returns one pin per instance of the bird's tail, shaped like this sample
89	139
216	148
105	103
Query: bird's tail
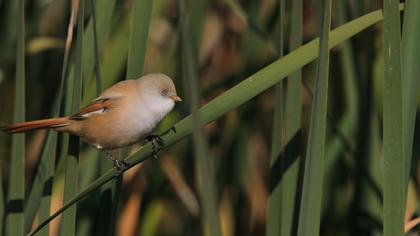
36	124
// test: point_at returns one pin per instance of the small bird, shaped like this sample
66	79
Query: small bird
122	115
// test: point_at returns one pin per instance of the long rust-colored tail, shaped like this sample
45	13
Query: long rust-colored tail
36	124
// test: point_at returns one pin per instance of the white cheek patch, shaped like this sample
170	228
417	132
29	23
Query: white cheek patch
164	108
94	112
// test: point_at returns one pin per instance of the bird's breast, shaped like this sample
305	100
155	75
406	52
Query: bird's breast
119	127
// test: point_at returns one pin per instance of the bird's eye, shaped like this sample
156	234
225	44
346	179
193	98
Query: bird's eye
162	91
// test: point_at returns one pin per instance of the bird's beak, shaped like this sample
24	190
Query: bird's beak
176	98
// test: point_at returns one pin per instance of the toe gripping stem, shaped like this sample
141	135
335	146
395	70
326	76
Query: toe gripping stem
157	144
121	165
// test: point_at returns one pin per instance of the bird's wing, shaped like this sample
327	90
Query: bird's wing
99	105
106	100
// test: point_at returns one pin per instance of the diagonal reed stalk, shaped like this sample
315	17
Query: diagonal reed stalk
236	96
394	166
16	195
310	208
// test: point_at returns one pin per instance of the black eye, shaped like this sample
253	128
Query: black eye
162	91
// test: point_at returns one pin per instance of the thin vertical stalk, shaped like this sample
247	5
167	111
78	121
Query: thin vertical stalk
104	10
410	76
373	201
197	18
394	166
41	180
277	141
348	123
139	29
16	195
255	29
48	157
310	208
94	36
46	169
110	195
293	110
96	49
110	192
139	36
10	31
49	151
205	175
140	22
72	160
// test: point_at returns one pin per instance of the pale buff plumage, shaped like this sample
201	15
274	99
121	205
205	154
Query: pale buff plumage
122	115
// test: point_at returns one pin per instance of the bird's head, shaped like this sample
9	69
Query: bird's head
159	92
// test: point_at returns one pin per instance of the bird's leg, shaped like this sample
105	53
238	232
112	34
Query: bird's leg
157	141
121	165
157	144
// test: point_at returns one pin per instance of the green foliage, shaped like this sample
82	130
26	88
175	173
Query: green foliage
239	67
204	165
394	166
310	208
274	206
140	20
292	132
72	159
16	194
410	78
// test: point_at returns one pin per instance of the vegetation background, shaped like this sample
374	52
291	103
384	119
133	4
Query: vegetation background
333	148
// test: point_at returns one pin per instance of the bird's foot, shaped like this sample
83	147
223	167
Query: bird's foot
157	144
121	165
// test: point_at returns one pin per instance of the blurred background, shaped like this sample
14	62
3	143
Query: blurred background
232	39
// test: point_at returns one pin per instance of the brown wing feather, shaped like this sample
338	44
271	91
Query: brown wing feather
97	105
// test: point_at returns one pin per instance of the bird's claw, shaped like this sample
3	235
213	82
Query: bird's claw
157	144
121	166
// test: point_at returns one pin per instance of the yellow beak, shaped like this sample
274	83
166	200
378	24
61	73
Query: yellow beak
176	98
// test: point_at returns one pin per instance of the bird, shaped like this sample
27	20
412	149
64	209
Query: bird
122	115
